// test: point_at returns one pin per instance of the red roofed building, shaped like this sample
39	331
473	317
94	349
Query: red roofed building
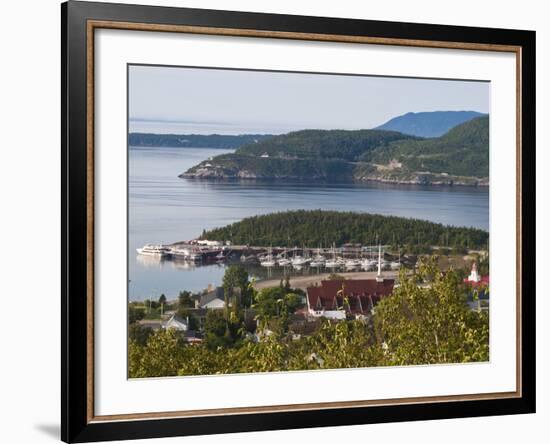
338	299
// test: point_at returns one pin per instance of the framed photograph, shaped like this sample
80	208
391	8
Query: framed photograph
275	221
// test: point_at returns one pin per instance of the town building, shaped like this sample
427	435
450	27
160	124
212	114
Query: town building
176	323
475	279
182	327
214	299
340	299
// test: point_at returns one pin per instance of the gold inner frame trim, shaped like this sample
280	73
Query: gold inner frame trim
98	24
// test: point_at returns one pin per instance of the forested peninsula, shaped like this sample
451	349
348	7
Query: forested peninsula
459	157
301	228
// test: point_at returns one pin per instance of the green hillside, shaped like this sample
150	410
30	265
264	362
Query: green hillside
325	144
318	227
463	151
461	156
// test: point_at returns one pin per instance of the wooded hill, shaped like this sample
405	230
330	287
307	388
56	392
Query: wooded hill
459	157
313	228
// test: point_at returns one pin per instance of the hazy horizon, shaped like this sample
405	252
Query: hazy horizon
182	100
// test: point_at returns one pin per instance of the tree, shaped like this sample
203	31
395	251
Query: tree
162	356
215	329
184	299
235	277
135	313
162	299
139	334
430	323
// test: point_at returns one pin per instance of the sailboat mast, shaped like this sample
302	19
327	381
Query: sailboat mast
379	275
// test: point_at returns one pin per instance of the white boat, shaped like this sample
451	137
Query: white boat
284	262
268	263
368	264
352	263
299	261
395	265
334	262
317	262
268	260
154	250
195	256
179	253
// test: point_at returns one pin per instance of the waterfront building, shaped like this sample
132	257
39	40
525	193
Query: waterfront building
340	299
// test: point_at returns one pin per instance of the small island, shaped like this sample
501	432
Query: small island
314	228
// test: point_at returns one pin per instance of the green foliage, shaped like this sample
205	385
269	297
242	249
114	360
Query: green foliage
236	277
425	321
184	300
430	323
192	140
274	305
338	155
139	334
162	299
135	313
287	229
238	165
161	357
325	144
463	151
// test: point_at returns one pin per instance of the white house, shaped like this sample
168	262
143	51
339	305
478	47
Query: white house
213	299
176	323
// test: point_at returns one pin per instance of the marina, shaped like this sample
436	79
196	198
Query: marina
348	257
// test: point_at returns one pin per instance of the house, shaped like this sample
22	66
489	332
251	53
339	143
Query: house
182	327
339	299
176	323
214	299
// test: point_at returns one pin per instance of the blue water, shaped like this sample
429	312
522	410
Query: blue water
164	209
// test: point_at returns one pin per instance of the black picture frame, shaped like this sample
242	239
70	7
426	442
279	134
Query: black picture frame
76	423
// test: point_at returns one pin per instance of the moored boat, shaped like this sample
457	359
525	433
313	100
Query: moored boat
154	250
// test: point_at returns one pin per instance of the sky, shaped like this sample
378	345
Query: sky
217	101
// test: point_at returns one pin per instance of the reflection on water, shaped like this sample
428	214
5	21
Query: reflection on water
165	209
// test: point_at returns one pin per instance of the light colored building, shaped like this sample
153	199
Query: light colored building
475	279
214	299
176	323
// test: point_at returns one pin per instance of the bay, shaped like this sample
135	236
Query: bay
163	208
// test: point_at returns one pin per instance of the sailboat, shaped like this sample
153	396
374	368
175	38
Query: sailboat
299	261
396	265
334	262
318	260
268	261
284	261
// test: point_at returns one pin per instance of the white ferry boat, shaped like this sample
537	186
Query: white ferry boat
154	250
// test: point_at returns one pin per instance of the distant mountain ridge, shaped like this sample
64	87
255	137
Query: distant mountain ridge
428	124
